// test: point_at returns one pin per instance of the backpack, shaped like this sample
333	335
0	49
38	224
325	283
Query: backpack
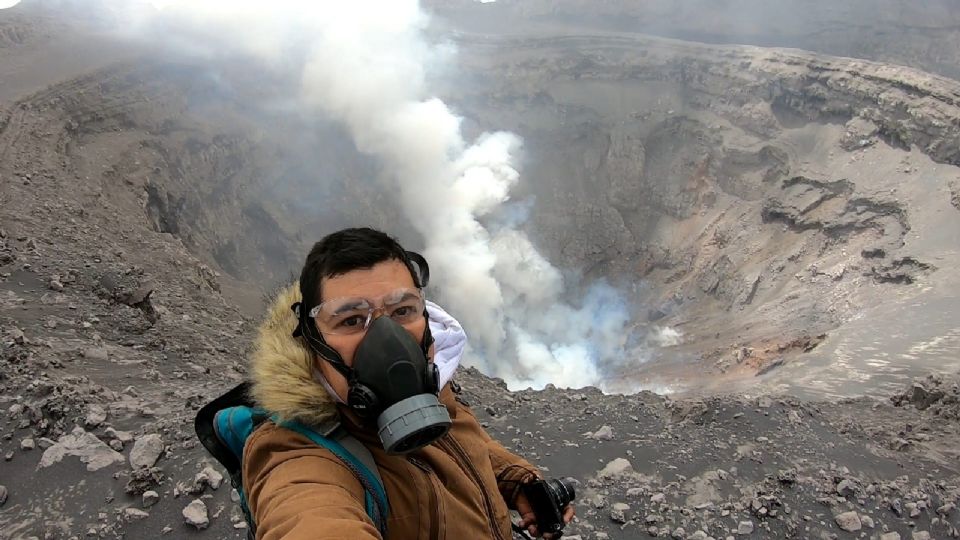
224	424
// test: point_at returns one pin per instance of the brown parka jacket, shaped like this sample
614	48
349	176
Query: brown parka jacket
458	487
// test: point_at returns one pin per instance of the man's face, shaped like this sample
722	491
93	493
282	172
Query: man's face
381	279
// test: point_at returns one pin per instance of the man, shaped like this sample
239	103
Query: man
359	306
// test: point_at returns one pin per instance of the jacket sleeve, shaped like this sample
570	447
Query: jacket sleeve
299	491
510	469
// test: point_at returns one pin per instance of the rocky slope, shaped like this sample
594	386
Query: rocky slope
105	362
723	467
785	212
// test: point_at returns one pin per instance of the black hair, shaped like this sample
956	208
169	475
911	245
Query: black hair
347	250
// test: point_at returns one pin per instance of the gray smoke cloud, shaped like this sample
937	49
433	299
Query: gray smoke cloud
365	64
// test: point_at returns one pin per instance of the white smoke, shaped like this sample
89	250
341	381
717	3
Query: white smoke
364	64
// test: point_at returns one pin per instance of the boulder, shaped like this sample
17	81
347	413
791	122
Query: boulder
195	514
146	451
617	467
84	445
849	521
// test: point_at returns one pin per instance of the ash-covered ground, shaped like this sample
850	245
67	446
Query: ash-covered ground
794	215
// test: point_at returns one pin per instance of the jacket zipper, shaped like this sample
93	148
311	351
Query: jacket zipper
434	497
461	456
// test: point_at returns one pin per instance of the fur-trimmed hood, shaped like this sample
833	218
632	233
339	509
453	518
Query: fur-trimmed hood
282	368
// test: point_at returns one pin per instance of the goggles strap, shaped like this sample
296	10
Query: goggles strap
306	329
427	339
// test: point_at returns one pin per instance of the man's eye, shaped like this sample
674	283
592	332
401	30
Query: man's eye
351	322
402	311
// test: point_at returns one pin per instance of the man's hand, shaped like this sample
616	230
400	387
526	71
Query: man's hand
528	520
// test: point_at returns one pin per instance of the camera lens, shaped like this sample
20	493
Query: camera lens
562	492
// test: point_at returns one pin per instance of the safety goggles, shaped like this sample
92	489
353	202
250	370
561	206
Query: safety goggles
353	314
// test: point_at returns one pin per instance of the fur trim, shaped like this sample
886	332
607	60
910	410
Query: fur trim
282	368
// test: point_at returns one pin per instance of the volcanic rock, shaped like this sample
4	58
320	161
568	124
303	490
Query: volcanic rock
618	512
605	433
91	451
617	467
207	477
96	415
195	514
848	521
133	514
122	436
146	451
846	488
143	479
18	336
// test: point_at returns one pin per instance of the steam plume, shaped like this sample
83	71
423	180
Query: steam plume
363	63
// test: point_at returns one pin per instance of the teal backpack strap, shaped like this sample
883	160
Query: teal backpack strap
361	464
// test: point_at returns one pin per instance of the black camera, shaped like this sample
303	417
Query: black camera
549	498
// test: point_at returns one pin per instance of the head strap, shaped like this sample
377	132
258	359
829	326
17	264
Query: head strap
423	276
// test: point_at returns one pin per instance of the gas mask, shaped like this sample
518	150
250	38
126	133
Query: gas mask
393	383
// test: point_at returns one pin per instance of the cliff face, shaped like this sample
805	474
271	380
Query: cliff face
754	199
890	31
